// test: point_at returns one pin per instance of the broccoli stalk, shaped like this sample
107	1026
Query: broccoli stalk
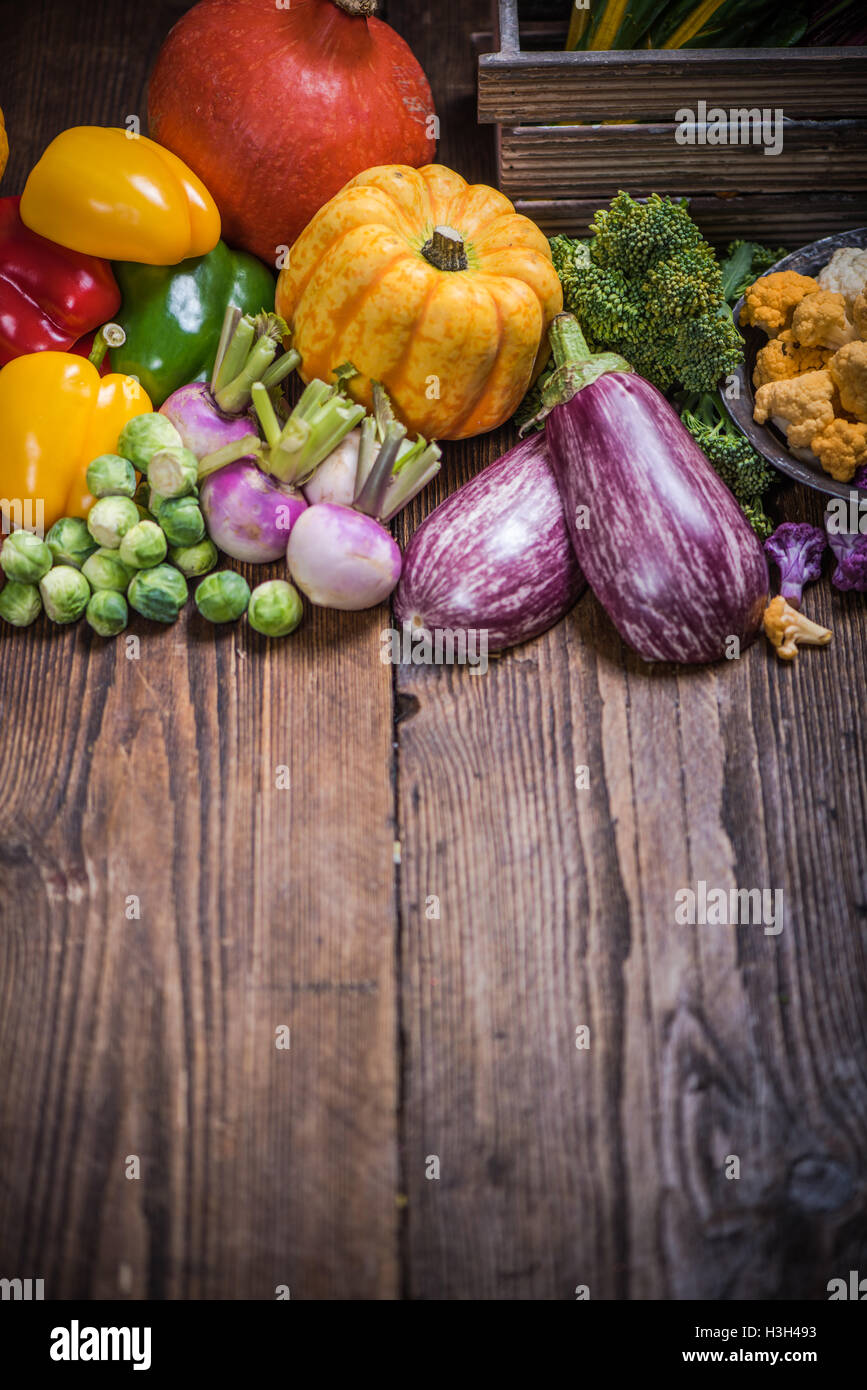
731	455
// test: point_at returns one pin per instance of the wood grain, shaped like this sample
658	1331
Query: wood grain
414	1035
157	779
547	161
605	1167
776	219
533	87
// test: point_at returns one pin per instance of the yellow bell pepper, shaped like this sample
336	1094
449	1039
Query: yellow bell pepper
4	145
56	415
124	198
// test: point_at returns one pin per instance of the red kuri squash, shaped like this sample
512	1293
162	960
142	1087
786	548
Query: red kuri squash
276	106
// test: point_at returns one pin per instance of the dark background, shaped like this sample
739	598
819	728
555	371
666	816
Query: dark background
414	1036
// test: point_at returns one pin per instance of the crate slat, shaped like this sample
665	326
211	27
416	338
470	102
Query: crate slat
778	219
519	87
549	161
543	87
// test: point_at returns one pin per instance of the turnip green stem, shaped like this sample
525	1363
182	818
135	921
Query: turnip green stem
235	396
382	408
404	488
231	319
327	417
279	370
372	495
266	413
366	451
236	354
251	444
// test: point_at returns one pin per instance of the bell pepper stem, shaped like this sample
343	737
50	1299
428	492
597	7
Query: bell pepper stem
234	397
111	335
266	414
249	446
231	319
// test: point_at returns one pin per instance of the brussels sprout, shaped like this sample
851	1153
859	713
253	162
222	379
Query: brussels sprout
143	546
275	608
111	476
193	560
159	593
107	613
181	519
174	472
106	570
223	597
142	436
70	542
65	593
25	557
20	604
155	502
109	520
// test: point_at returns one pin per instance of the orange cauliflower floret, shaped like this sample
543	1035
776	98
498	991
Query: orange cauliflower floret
841	448
801	407
782	358
786	627
771	301
848	369
859	314
820	320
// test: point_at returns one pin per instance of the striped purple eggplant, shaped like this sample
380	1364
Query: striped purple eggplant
663	543
495	556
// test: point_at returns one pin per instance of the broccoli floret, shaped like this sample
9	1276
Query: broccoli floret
741	468
796	548
758	519
648	286
745	261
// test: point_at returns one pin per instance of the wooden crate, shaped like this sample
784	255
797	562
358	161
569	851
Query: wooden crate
558	161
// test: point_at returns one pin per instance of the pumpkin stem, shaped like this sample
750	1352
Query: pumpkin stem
446	249
361	8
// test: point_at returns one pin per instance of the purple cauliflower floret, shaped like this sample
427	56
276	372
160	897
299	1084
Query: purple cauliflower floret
850	552
796	549
860	478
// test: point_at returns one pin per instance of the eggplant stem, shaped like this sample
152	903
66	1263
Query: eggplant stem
567	340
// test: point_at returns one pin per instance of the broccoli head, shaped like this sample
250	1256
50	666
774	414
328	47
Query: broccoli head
731	454
648	286
796	548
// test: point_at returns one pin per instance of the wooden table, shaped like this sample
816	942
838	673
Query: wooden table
415	1035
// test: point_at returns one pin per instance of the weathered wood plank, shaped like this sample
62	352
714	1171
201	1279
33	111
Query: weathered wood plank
779	219
606	1166
651	85
156	779
551	161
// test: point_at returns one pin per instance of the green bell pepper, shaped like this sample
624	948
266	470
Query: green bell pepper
173	315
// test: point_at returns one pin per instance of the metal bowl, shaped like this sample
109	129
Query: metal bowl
769	442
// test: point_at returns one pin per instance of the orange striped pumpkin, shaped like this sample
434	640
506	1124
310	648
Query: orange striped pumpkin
433	286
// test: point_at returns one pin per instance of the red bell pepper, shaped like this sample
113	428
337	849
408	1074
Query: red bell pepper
49	296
